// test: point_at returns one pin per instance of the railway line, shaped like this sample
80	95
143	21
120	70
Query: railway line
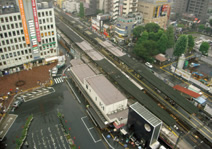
139	73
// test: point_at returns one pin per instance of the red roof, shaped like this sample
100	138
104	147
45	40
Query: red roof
118	126
186	91
160	57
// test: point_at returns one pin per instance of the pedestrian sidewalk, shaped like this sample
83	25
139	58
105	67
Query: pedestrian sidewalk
6	124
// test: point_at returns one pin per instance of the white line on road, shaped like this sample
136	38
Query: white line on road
95	141
107	142
91	117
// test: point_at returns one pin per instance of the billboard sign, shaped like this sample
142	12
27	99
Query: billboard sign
164	10
23	18
36	20
33	37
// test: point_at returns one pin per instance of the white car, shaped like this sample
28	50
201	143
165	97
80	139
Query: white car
148	65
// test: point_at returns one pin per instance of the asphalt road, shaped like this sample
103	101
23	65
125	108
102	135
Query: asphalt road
45	131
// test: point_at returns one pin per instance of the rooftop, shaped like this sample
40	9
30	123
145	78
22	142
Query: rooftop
186	91
75	62
82	71
108	93
146	114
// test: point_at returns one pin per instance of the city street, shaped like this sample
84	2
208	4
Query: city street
45	130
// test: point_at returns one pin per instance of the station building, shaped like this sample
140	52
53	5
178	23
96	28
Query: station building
28	36
107	104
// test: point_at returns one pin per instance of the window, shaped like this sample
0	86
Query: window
14	34
2	20
1	50
96	98
12	26
50	13
11	40
9	34
14	53
26	52
8	26
19	17
51	20
3	26
14	17
18	33
22	52
11	19
7	56
2	57
6	19
18	52
86	86
20	24
47	13
43	14
5	35
5	63
38	14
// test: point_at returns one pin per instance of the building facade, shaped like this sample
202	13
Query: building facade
125	24
27	37
101	94
71	6
197	7
155	11
144	124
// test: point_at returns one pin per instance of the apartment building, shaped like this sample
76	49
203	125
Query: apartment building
71	6
125	24
157	11
27	37
197	7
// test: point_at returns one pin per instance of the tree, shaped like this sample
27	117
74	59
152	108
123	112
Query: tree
201	27
151	47
162	43
208	30
210	21
152	27
190	42
143	37
181	25
170	36
180	45
152	36
81	13
137	31
204	48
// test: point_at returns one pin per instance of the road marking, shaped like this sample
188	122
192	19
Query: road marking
88	129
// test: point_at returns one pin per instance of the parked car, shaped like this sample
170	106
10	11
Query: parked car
18	102
148	65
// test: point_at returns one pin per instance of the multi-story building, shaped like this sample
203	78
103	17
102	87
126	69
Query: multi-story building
109	104
59	3
125	24
71	6
197	7
27	37
118	7
90	7
157	11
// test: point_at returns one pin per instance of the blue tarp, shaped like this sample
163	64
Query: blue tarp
200	100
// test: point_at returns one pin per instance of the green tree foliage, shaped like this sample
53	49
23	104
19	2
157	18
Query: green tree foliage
180	45
190	42
159	34
137	31
81	13
152	27
152	36
151	47
181	25
210	21
162	44
204	48
201	27
144	37
170	36
208	29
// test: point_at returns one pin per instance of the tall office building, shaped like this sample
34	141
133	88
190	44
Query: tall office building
157	11
118	7
197	7
27	37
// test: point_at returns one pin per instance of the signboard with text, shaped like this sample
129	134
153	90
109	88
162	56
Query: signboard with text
23	18
36	20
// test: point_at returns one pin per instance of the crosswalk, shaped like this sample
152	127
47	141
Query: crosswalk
59	79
